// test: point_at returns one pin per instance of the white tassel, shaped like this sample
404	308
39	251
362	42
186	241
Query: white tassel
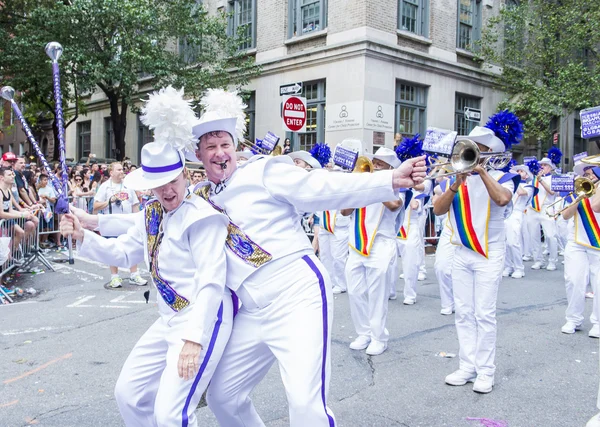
226	104
171	118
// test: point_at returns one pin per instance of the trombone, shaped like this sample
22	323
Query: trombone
254	147
466	155
584	188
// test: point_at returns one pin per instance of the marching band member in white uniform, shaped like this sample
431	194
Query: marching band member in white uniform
444	255
539	217
171	365
513	265
286	297
582	261
333	247
479	256
373	250
410	248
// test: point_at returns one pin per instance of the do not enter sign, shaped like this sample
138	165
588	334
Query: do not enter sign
294	114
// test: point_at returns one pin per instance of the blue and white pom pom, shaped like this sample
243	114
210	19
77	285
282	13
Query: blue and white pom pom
171	118
409	148
321	152
534	166
555	155
506	126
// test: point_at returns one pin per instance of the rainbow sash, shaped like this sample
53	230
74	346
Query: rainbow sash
535	201
366	222
402	234
587	231
461	208
329	221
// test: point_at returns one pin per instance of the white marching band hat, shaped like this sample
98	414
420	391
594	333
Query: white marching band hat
386	155
525	168
160	164
547	161
306	156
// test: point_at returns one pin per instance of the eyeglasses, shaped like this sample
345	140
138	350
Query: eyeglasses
78	179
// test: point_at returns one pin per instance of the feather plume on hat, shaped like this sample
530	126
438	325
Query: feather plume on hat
555	155
507	127
534	166
170	117
321	152
226	104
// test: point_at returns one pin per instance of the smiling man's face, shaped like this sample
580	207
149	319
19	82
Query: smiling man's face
217	152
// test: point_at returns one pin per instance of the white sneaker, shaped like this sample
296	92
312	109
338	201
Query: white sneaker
527	258
338	290
393	297
447	311
422	276
546	252
594	332
536	265
360	343
409	301
561	253
460	377
506	272
589	295
551	266
517	275
483	384
570	328
115	282
376	348
402	276
136	279
594	421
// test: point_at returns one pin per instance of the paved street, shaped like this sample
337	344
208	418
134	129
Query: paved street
62	350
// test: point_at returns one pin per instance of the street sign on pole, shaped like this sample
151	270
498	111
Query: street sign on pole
294	114
472	114
290	89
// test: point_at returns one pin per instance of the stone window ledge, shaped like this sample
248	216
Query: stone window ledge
466	53
414	37
309	36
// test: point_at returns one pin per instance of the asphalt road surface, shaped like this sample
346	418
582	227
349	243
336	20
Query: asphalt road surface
61	352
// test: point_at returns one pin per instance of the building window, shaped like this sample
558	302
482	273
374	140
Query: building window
188	53
144	136
21	149
250	100
109	139
461	124
306	16
579	144
411	106
84	138
469	24
413	16
315	93
242	18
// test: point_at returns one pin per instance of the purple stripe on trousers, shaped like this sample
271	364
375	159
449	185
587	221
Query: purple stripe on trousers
211	346
236	303
314	268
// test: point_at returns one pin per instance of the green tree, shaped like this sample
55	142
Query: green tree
118	46
547	51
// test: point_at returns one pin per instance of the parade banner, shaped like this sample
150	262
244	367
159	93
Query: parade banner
562	183
439	141
344	158
590	122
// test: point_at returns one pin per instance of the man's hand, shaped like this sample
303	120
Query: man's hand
189	360
460	178
409	173
479	169
70	226
89	222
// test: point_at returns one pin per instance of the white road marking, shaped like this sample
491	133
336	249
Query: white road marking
99	264
81	300
33	330
120	299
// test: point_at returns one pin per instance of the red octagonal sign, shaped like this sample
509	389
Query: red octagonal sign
294	114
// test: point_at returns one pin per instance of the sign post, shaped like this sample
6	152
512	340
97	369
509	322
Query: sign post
294	114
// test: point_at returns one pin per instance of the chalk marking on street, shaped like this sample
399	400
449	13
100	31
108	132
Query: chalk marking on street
114	306
65	269
39	368
81	300
99	264
33	330
18	303
120	299
6	405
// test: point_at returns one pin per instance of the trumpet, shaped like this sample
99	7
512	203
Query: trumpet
466	155
584	188
363	164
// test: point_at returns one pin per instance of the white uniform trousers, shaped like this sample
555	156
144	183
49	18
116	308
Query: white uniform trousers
527	225
422	224
411	251
548	224
333	253
582	265
562	233
368	288
294	328
475	280
149	391
514	241
444	257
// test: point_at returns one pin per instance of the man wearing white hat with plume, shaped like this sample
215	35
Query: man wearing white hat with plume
287	311
479	256
513	265
373	251
182	239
